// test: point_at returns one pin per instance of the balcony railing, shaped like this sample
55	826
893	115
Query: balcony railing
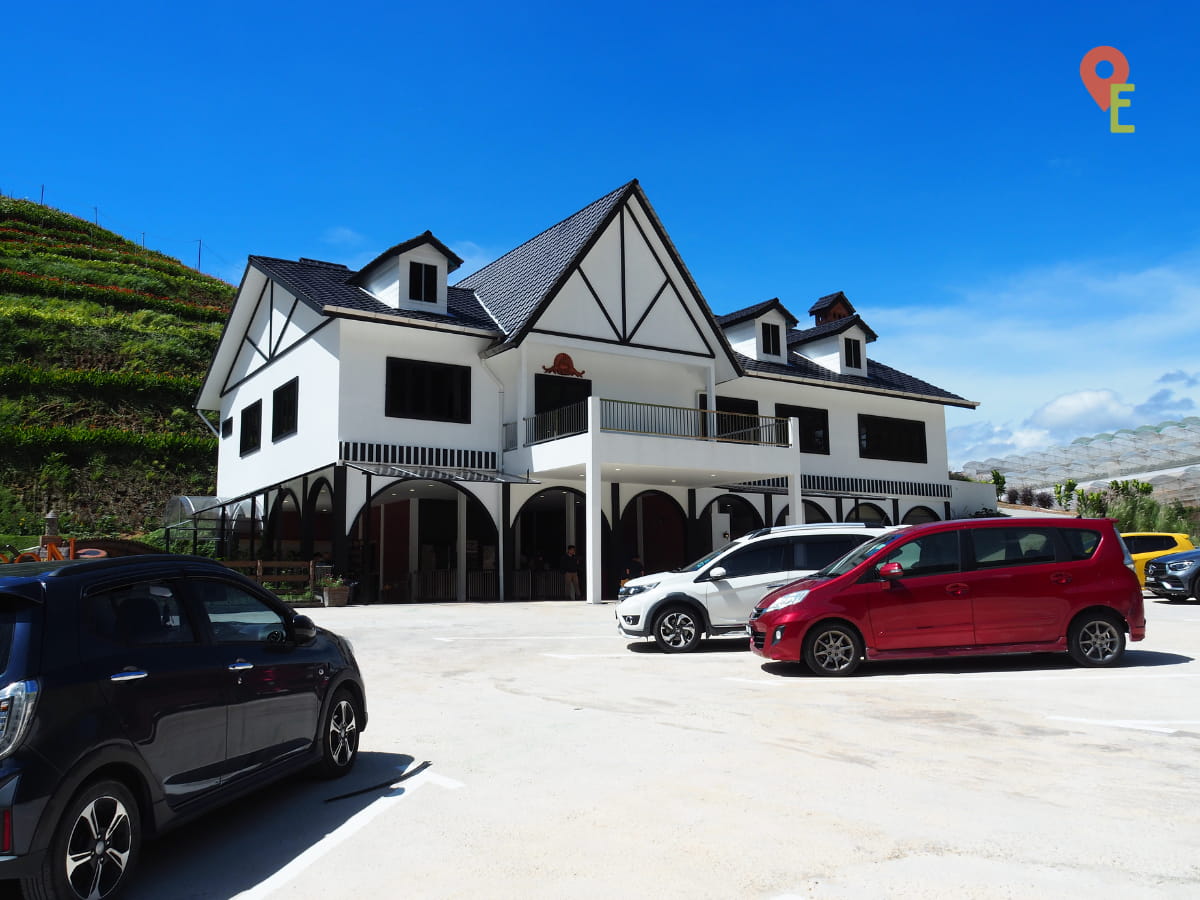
657	420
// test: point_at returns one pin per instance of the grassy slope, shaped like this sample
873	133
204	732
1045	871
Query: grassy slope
103	345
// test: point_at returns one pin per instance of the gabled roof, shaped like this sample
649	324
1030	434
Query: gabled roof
823	303
837	326
321	285
880	378
753	312
514	287
426	237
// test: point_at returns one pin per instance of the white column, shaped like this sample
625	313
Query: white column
461	591
711	386
523	381
593	505
795	500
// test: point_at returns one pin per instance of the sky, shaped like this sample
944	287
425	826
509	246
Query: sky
943	164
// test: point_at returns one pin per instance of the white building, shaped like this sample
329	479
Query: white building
447	441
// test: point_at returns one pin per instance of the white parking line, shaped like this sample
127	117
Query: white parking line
531	637
344	832
971	678
1160	727
587	655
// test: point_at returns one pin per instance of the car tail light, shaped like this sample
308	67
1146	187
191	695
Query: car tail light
17	702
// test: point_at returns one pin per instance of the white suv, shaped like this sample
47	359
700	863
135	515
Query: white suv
715	595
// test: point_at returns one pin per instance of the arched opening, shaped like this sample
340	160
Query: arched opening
728	517
547	523
813	512
282	534
409	550
655	528
918	515
869	513
318	516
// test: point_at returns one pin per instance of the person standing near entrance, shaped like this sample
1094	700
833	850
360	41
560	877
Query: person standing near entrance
570	567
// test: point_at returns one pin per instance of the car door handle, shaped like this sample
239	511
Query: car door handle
240	666
957	589
1060	578
130	674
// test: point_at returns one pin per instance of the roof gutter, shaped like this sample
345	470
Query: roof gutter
343	312
883	392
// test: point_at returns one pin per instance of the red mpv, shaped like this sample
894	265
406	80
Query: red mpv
963	587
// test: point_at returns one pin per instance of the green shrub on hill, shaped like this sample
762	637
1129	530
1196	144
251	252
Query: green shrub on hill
106	345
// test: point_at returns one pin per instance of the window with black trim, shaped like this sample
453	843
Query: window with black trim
853	353
285	410
770	339
736	417
900	440
422	282
251	438
434	392
227	427
814	426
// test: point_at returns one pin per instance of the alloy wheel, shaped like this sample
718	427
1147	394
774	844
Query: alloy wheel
99	848
343	732
833	650
1099	641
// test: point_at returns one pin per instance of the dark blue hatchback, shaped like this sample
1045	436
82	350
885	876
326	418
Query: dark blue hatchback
137	693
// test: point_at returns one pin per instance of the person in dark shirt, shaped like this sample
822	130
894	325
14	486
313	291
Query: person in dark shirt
570	567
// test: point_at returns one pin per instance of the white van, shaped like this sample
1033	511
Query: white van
716	594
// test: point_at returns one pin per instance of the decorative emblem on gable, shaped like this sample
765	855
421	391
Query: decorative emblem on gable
562	365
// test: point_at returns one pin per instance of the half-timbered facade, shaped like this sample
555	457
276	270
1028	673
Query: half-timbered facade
449	440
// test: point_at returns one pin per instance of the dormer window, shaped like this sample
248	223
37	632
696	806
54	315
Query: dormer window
422	282
770	339
853	353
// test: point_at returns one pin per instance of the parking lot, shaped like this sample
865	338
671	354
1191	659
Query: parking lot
566	762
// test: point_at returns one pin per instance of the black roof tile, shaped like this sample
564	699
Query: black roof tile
837	326
878	377
320	285
754	311
512	287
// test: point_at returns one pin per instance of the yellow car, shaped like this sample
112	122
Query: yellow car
1145	545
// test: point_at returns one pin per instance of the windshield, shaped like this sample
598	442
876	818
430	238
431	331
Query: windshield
704	560
857	555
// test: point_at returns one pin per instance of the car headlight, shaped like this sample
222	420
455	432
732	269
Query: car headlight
787	600
630	589
1181	566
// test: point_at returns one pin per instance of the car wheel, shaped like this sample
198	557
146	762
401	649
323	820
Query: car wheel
339	735
677	630
1096	640
93	849
833	649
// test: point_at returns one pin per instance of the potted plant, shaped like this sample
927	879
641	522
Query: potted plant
334	590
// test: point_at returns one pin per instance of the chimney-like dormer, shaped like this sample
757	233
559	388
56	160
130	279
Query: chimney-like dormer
831	307
411	275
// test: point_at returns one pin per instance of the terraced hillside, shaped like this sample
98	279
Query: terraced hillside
103	345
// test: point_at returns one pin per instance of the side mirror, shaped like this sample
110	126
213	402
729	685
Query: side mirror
716	573
303	629
891	571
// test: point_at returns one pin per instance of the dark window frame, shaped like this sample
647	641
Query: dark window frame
770	339
853	353
814	426
422	282
893	439
427	391
285	410
250	438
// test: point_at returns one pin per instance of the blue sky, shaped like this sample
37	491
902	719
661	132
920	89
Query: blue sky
942	164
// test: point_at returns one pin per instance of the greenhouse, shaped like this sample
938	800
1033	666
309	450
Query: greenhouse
1166	455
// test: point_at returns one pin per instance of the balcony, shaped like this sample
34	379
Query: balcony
650	443
655	420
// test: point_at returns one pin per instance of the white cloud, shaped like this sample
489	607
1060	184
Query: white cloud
341	236
1054	353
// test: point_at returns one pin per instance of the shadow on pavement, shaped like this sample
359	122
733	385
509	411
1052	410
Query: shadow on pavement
1029	662
712	645
236	847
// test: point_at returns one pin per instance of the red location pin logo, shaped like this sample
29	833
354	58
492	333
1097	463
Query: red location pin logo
1097	86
